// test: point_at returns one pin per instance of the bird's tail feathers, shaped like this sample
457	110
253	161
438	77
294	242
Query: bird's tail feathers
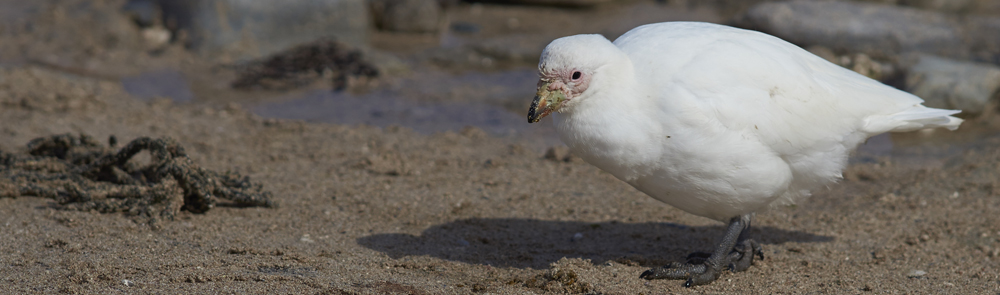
921	117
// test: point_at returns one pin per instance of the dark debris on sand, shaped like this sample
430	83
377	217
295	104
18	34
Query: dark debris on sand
304	64
82	174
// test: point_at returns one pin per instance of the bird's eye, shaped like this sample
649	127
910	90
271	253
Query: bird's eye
576	75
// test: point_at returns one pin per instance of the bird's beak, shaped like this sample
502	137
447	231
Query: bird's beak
546	101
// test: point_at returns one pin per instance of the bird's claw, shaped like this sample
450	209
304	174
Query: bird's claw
740	259
700	269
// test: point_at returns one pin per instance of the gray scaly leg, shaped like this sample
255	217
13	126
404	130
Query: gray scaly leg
736	252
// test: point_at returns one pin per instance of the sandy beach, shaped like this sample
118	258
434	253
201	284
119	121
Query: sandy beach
392	210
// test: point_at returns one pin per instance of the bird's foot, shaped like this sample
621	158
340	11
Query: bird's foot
702	269
696	274
743	253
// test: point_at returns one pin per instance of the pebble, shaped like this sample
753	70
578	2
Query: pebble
916	273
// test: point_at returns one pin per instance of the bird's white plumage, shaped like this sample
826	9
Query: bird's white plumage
719	121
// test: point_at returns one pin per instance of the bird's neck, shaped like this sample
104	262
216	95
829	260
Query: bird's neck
612	129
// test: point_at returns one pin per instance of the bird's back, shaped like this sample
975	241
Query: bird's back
733	82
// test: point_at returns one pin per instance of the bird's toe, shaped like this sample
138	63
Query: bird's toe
743	254
673	271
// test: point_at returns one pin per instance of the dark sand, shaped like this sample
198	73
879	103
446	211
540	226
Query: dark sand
367	210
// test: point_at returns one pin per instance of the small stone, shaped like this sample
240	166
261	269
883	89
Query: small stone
156	36
128	283
557	153
306	239
916	273
411	16
577	237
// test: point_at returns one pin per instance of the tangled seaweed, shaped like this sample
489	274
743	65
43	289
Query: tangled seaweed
79	173
303	64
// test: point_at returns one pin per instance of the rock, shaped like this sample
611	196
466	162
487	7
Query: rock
983	35
144	12
858	62
878	30
916	273
570	3
939	5
413	16
951	84
156	36
959	6
823	52
863	64
239	30
516	48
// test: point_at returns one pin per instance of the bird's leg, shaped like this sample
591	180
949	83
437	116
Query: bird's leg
736	252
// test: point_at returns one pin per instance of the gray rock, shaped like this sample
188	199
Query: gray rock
516	48
959	6
570	3
878	30
143	12
414	16
951	84
240	30
983	35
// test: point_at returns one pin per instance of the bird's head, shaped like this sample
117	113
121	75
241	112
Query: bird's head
566	69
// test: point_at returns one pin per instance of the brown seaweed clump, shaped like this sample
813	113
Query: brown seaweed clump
304	64
79	173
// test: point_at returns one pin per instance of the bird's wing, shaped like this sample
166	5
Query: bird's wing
766	88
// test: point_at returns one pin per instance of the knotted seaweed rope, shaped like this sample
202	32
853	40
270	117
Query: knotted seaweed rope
80	173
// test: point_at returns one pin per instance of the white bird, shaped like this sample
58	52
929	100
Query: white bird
717	121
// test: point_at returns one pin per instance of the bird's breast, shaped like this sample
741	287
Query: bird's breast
713	174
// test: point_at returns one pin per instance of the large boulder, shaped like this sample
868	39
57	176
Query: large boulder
952	84
983	35
246	29
957	6
568	3
878	30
